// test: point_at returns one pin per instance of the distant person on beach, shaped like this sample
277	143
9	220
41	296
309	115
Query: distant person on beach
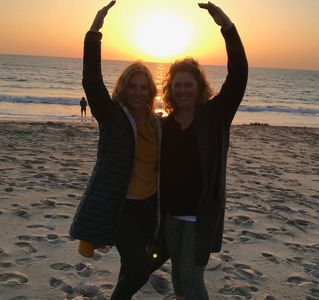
193	160
83	105
120	204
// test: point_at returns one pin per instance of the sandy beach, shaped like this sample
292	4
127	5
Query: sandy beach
271	240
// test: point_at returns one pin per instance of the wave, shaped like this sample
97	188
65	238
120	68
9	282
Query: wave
39	115
159	104
280	109
40	100
10	78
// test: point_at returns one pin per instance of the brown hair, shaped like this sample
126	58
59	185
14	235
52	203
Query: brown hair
191	66
125	78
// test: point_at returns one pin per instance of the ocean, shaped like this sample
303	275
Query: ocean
49	89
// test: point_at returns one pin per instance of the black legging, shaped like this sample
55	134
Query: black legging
135	234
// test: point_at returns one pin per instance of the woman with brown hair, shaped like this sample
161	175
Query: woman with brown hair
193	159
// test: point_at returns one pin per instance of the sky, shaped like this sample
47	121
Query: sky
275	33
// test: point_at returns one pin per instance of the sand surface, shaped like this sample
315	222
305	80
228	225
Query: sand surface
271	241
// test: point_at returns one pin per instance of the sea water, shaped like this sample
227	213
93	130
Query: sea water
49	88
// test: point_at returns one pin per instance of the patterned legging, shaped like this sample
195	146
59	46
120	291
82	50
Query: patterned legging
187	277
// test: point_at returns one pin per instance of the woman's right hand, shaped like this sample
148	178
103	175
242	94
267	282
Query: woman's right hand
218	15
99	18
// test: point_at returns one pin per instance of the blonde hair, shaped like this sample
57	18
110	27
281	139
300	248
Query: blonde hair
191	66
124	81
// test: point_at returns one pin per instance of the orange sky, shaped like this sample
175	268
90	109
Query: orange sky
276	33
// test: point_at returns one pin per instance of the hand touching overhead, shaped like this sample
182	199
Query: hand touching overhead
99	18
218	15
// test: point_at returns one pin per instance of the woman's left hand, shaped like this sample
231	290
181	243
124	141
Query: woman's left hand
218	15
99	18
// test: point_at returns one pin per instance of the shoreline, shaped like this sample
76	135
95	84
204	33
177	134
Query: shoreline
90	121
270	245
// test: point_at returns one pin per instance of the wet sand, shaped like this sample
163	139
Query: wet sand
271	240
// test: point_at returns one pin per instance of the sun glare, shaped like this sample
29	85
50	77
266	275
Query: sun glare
162	34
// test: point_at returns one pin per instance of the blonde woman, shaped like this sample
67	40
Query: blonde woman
120	203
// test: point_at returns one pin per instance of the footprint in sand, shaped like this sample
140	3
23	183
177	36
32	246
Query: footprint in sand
89	292
244	239
39	226
26	165
270	257
300	224
50	238
55	239
246	234
30	260
296	247
44	204
84	269
13	279
66	204
214	263
57	217
247	273
242	220
269	297
107	286
312	248
314	291
97	256
312	269
3	253
273	230
6	264
71	195
228	239
56	283
20	298
61	267
295	260
311	285
243	292
27	247
8	189
225	256
102	273
161	282
22	213
276	217
32	238
297	280
244	272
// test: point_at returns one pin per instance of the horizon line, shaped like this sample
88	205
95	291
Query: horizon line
160	62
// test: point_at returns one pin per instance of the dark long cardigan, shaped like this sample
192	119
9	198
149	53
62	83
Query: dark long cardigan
97	217
212	125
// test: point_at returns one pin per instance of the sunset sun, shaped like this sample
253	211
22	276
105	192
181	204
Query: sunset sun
162	34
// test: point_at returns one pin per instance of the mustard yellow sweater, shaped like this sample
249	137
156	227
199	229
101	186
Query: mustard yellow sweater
143	180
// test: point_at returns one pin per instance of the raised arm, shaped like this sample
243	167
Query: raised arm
218	15
99	18
94	87
233	89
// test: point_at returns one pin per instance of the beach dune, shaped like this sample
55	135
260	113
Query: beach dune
271	240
